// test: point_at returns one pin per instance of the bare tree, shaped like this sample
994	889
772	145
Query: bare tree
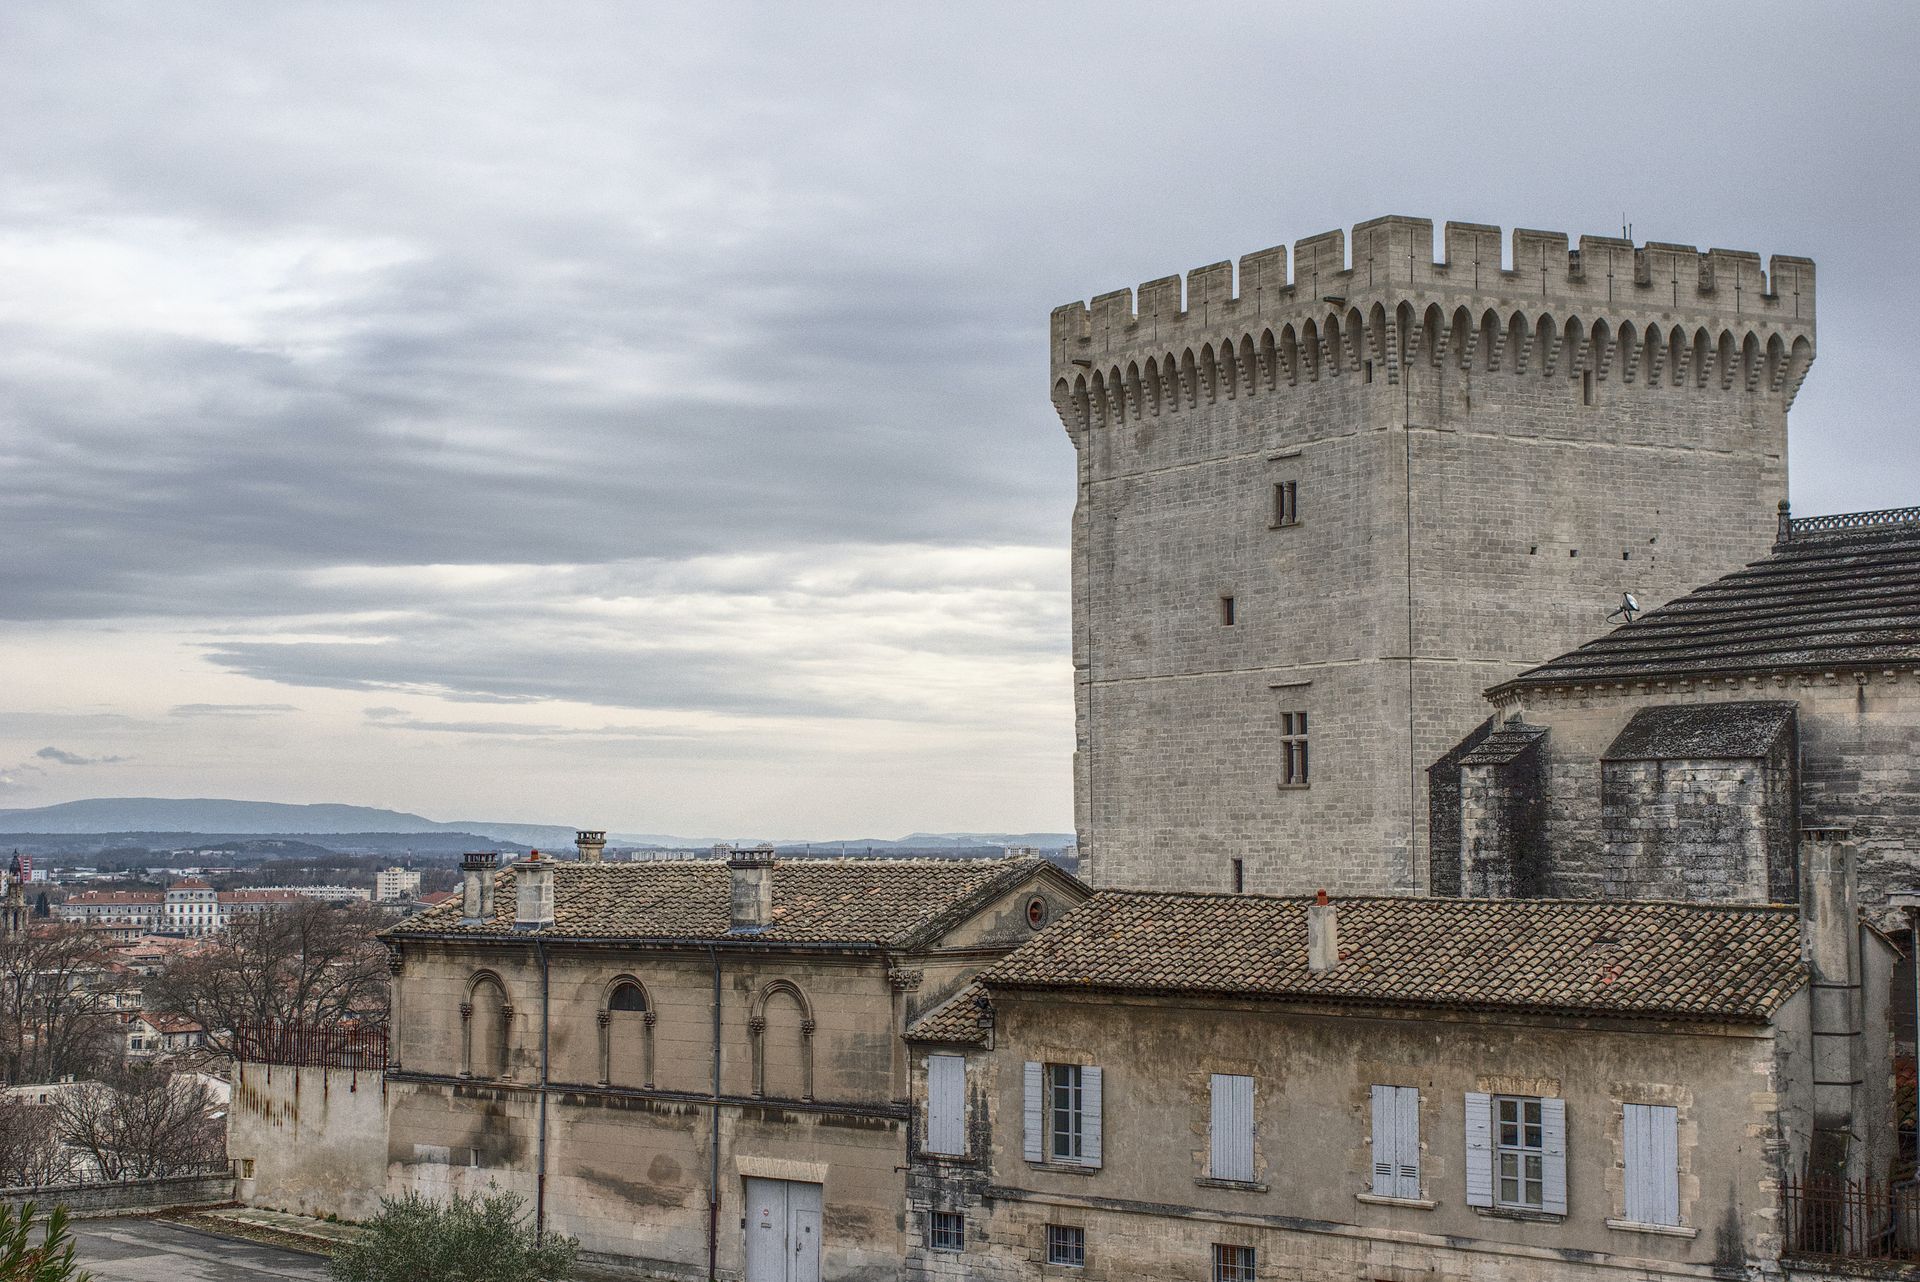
31	1154
149	1121
54	1018
305	963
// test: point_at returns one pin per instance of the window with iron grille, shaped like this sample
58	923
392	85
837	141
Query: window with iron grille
1519	1153
947	1231
1286	503
1232	1263
1293	749
1066	1244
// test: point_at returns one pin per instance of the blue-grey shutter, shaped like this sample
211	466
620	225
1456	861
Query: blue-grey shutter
946	1104
1231	1128
1406	1142
1553	1138
1653	1164
1479	1149
1035	1115
1386	1137
1090	1116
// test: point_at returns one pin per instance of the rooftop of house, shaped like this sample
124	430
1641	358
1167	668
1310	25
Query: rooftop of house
815	901
1836	592
1724	963
956	1021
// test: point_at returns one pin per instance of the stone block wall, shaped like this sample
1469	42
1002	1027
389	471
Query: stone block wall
1485	458
1701	831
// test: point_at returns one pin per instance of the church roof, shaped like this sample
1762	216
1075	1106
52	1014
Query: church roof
1564	957
1837	592
1702	731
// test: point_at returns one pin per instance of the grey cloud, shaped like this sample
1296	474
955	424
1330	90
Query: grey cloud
231	709
66	758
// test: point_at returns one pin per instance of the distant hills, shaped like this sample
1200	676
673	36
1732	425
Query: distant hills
189	816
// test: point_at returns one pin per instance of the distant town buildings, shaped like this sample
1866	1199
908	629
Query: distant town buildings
189	907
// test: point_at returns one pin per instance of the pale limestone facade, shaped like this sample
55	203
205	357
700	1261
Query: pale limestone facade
812	1080
1744	1097
1484	456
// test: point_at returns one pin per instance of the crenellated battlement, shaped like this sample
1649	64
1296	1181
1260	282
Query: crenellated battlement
1637	313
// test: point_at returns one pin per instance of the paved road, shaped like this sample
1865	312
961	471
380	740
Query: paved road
143	1251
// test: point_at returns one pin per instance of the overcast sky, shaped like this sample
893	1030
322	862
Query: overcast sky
636	415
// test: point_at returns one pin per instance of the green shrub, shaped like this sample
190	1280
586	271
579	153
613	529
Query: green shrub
470	1239
49	1259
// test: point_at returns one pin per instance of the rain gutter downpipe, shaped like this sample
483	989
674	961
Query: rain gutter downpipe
540	1174
713	1140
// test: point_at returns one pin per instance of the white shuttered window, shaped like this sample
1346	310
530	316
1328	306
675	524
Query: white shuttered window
1231	1128
1062	1113
946	1105
1653	1164
1396	1142
1517	1152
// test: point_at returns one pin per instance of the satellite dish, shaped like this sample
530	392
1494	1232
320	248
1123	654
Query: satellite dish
1626	610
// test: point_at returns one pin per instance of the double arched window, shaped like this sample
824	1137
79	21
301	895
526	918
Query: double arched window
626	1034
486	1020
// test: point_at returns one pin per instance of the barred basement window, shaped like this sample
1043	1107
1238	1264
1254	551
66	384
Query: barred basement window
1286	503
947	1231
1233	1263
1067	1244
1293	749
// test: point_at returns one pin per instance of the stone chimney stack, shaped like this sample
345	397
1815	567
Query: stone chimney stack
1323	935
1830	925
751	869
533	882
590	844
476	890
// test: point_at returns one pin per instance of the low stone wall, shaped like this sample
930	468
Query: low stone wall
126	1196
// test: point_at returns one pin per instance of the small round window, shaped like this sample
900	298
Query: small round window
1036	912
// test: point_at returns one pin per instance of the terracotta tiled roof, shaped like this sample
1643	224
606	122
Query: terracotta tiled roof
1849	598
956	1020
1573	956
871	901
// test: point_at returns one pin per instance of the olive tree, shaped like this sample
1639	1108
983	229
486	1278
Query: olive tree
468	1239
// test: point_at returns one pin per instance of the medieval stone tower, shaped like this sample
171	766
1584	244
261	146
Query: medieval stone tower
1321	511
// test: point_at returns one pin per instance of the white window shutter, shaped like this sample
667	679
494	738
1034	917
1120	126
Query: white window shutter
1406	1142
1231	1128
1653	1164
1090	1116
1386	1137
1553	1136
1035	1115
1479	1149
946	1104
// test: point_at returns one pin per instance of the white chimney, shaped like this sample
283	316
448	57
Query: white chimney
476	891
590	844
1323	935
751	871
533	882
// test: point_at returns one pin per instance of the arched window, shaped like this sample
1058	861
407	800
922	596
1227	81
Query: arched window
782	1032
488	1020
626	1034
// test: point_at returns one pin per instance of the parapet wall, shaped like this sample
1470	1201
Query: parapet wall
1658	307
